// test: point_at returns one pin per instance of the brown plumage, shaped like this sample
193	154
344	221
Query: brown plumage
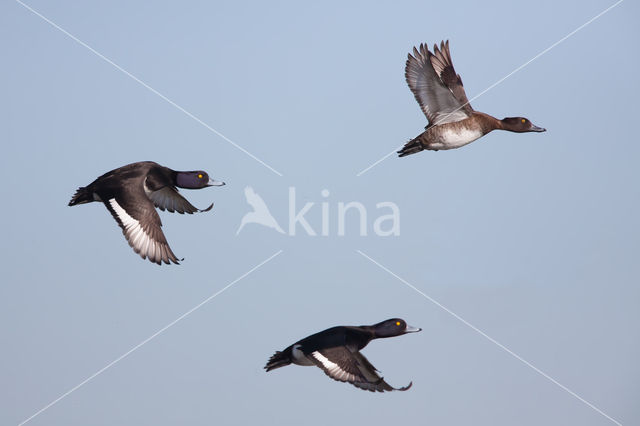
439	91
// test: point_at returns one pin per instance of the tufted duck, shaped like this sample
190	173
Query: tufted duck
337	352
130	194
439	91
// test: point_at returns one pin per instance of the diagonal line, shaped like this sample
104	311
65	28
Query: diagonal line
148	339
491	339
501	80
136	79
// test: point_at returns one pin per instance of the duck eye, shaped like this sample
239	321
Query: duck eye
398	323
199	175
524	120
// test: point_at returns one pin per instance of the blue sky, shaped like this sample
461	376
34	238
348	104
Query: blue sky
532	239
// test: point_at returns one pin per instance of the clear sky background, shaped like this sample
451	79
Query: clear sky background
533	239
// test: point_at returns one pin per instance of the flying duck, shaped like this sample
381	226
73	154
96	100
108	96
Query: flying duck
452	121
336	351
131	194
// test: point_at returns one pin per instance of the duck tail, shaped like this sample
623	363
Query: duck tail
277	360
82	195
411	147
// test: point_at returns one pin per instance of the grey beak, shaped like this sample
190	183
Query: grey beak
410	329
215	183
537	129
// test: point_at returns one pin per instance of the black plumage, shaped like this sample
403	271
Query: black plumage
336	351
132	192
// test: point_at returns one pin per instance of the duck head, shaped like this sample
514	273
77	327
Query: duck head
520	125
195	180
393	327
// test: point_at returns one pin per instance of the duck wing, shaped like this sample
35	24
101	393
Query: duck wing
435	99
342	365
443	66
375	383
141	225
170	199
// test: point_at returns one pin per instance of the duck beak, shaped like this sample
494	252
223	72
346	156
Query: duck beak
537	129
410	329
215	183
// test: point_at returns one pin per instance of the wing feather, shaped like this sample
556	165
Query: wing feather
141	227
168	198
435	99
342	365
443	66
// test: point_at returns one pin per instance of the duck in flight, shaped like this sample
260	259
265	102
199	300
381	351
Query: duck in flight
132	192
452	121
337	352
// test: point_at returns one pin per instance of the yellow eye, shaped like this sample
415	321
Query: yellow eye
524	121
200	176
398	323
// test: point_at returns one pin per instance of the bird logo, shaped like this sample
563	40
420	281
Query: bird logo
260	214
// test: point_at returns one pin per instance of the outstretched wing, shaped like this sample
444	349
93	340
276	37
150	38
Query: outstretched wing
435	99
342	365
170	199
374	381
443	66
141	227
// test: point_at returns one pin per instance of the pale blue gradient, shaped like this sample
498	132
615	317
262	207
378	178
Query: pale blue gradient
532	238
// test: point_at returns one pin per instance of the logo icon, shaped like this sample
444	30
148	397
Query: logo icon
260	214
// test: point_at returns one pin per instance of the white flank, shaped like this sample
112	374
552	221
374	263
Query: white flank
461	137
299	358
